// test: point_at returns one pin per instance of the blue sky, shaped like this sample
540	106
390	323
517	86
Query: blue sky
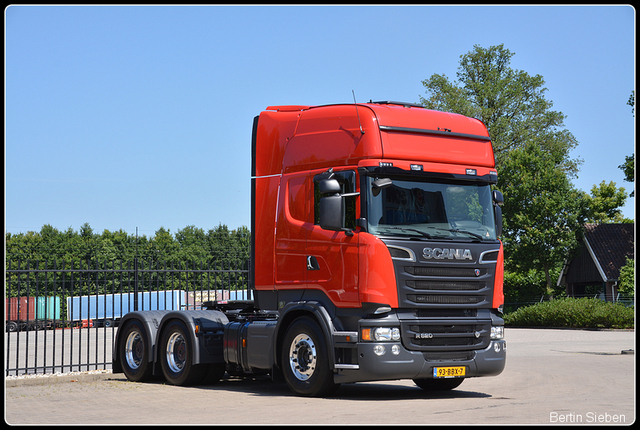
140	117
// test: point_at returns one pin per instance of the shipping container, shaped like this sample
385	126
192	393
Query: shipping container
32	313
107	309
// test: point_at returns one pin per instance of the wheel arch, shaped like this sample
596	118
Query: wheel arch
291	312
149	320
190	319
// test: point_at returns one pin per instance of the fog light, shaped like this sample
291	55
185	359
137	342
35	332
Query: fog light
395	350
379	350
496	347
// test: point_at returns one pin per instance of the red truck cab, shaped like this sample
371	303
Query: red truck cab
383	215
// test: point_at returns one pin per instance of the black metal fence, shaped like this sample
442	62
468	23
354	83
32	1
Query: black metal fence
63	318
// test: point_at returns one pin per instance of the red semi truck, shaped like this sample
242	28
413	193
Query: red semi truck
375	256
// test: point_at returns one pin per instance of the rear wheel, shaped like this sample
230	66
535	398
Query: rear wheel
438	384
176	356
134	352
305	360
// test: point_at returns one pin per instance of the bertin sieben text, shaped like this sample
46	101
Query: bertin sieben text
587	418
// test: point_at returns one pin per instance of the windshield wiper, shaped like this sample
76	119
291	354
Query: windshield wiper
477	236
456	230
421	233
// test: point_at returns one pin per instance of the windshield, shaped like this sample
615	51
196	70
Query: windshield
434	210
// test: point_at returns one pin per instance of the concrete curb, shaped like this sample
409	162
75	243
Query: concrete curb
49	379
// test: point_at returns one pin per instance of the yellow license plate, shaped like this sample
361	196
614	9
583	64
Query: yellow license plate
449	372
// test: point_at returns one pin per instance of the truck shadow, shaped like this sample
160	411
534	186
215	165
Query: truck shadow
359	391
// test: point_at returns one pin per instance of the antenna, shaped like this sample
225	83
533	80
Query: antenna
354	102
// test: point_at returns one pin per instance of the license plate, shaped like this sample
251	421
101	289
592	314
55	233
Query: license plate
449	372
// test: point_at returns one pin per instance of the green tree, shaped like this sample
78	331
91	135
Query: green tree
220	243
161	247
242	238
543	211
626	281
604	203
629	170
628	167
511	103
191	244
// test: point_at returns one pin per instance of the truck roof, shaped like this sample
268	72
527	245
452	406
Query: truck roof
299	137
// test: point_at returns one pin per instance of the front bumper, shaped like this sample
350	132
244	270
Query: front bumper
406	364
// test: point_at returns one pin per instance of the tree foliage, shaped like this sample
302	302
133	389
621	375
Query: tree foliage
604	203
511	103
89	248
543	211
86	262
627	282
629	165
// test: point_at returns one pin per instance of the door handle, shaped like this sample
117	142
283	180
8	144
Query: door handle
312	263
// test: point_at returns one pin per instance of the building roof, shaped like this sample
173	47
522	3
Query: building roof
609	245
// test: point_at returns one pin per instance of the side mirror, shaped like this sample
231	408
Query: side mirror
331	205
498	215
329	186
332	212
379	184
498	198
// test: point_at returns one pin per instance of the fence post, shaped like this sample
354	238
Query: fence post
135	283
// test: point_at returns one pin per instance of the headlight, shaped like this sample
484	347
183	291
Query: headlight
381	334
497	332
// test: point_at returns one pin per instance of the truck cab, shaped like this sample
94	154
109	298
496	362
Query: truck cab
383	215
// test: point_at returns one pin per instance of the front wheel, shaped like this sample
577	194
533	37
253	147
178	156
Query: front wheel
438	384
176	353
305	360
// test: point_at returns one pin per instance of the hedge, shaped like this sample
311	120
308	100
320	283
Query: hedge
573	313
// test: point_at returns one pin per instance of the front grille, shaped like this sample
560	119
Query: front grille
449	356
445	300
470	329
456	341
445	313
449	336
446	285
450	272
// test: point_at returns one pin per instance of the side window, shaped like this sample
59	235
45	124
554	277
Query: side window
298	203
347	181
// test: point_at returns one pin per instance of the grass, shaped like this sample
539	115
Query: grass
573	313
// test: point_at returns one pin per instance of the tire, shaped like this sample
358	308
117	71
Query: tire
305	360
176	356
438	384
134	352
